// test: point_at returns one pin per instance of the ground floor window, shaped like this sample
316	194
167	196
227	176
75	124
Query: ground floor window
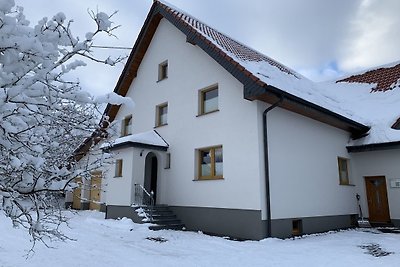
343	165
118	168
210	163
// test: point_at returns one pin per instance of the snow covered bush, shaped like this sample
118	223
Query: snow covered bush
44	115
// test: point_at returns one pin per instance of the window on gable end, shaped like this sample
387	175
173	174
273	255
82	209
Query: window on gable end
208	100
162	114
126	126
163	70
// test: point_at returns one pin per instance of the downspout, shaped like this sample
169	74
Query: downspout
266	163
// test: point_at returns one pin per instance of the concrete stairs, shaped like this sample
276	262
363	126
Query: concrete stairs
163	218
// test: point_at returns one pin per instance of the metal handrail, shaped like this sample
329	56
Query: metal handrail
144	198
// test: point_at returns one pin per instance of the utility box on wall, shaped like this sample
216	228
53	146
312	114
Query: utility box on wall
395	183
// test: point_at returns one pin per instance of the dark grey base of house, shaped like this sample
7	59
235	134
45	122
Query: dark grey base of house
115	212
241	224
85	205
247	224
103	207
284	228
396	222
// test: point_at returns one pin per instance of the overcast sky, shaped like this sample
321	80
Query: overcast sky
320	39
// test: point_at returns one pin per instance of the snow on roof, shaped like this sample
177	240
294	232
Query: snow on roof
385	77
352	100
377	103
151	138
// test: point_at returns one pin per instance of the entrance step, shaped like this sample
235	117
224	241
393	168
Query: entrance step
163	218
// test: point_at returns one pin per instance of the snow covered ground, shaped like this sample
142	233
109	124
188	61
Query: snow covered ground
122	243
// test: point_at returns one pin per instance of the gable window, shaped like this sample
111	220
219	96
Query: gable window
208	100
343	165
162	114
118	168
210	163
126	126
163	70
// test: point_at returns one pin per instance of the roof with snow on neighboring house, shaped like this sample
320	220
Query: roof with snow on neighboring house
386	77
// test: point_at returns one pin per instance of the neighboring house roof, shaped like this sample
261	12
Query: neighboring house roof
385	77
150	139
374	94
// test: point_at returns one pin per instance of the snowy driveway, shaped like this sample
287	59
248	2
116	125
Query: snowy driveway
122	243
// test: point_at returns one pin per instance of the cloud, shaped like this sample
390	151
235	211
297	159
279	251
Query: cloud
373	37
306	35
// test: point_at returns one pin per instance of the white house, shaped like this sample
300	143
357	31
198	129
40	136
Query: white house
237	144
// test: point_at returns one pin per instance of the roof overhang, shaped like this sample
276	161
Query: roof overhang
374	147
298	105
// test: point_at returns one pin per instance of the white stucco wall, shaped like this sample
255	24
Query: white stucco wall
378	163
304	177
119	188
234	126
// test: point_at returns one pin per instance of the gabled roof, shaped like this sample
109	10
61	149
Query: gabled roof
263	78
385	77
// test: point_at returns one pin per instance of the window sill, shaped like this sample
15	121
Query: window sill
206	113
208	179
348	184
158	126
161	79
117	176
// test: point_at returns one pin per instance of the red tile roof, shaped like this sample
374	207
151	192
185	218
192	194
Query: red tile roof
238	50
386	78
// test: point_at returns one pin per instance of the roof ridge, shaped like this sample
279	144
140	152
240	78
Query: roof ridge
228	44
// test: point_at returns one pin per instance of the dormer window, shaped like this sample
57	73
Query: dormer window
163	70
126	126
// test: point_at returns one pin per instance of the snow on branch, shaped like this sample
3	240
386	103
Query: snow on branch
45	116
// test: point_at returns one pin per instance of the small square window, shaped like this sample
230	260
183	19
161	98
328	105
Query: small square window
118	168
208	100
163	70
210	163
297	227
126	126
343	171
162	115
